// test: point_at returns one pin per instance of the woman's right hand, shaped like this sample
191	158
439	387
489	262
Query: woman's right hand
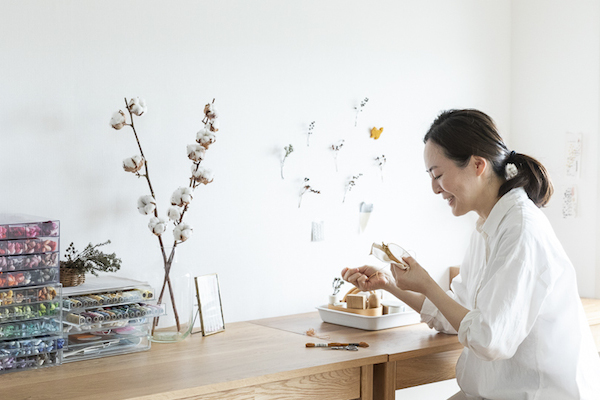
367	278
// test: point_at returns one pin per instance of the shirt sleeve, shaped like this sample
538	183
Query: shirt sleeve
434	318
459	293
515	286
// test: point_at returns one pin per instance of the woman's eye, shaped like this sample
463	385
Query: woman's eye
437	177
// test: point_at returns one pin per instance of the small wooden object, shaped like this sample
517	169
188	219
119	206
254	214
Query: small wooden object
356	301
369	312
373	301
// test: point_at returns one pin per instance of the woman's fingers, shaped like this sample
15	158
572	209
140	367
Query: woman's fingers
409	260
359	277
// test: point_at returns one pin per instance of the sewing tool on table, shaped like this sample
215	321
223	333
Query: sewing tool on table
342	346
335	344
351	348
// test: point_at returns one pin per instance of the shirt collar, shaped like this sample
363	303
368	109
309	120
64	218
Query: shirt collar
489	226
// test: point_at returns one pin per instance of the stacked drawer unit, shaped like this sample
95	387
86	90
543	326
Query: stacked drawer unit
30	293
108	316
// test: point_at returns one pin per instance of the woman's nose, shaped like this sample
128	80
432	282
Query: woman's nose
435	186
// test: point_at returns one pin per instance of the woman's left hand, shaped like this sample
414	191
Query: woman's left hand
415	278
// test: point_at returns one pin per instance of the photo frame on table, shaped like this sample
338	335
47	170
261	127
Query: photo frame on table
210	309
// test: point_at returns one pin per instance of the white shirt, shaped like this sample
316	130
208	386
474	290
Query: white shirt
526	336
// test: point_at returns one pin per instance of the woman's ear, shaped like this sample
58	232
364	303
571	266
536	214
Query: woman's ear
480	164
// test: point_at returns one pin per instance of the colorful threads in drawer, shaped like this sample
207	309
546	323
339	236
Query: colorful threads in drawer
28	261
29	328
27	295
128	311
29	230
27	347
30	311
29	278
103	299
28	246
10	364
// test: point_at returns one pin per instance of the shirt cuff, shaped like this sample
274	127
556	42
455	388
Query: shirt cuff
428	312
465	324
434	318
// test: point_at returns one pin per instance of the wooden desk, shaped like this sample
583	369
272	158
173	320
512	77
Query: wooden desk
247	361
416	354
263	359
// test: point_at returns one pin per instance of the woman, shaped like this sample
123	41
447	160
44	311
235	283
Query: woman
515	305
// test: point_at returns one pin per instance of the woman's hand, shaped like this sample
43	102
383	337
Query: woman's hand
415	278
367	278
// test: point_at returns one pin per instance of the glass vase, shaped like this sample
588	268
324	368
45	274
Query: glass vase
177	295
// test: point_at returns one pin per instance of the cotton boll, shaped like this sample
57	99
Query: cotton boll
137	106
133	164
213	125
176	198
182	232
202	174
146	204
117	120
157	225
211	111
187	194
174	213
195	152
205	137
182	196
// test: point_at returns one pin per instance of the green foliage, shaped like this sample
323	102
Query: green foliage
90	260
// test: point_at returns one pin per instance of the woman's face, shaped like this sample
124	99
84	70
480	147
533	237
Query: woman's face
460	187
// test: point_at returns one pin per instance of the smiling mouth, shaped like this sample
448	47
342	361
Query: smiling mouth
450	200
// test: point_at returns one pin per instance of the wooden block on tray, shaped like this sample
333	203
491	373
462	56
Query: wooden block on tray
356	301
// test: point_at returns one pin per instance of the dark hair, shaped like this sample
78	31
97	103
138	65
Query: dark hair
465	133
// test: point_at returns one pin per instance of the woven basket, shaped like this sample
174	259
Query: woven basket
70	278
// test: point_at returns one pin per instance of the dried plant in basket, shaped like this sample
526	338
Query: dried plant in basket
90	260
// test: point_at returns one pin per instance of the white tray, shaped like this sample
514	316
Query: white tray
366	322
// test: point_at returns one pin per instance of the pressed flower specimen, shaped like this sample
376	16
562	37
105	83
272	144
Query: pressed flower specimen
289	149
307	189
350	185
359	109
336	149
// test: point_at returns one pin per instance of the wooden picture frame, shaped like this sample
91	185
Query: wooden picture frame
210	309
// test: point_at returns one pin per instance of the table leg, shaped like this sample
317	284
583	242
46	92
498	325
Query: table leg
366	382
384	381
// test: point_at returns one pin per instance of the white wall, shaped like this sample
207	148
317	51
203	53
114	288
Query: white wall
273	67
555	84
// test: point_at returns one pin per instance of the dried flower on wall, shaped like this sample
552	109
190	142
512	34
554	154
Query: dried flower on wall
336	149
381	160
307	189
288	150
311	126
350	185
359	109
